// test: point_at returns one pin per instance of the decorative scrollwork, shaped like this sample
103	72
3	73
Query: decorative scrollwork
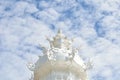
89	64
51	55
31	66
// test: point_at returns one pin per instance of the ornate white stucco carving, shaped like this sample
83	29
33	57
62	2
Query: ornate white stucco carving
61	57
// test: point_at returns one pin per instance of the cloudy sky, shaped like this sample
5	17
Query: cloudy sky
95	25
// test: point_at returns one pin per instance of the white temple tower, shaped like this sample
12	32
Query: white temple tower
59	62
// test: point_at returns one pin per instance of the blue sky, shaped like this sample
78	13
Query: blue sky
95	25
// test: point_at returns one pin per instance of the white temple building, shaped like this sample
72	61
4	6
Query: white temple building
61	61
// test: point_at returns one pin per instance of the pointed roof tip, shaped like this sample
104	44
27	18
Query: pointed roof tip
59	34
59	30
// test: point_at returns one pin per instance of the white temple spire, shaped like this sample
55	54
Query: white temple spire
60	61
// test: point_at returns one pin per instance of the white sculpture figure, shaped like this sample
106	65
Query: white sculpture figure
44	49
50	42
68	65
68	43
51	55
31	66
71	55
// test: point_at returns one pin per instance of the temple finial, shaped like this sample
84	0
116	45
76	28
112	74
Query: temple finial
59	31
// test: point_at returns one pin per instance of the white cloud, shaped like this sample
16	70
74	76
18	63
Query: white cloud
24	24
